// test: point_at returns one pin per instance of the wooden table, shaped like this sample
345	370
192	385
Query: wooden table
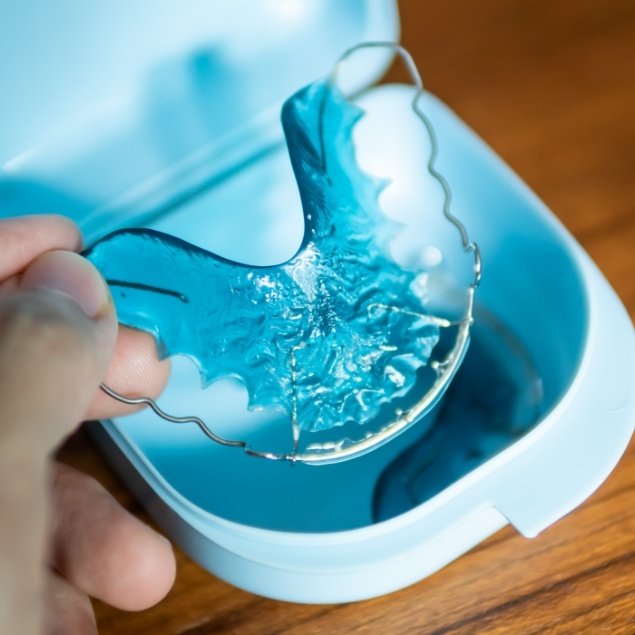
551	87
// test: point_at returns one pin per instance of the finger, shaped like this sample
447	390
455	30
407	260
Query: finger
67	611
57	332
134	371
52	354
24	239
102	549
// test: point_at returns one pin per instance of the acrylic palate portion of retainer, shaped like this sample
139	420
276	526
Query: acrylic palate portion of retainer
352	346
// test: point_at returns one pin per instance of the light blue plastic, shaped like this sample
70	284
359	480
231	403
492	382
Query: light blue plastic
123	110
302	533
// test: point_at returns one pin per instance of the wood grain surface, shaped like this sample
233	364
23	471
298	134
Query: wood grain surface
551	87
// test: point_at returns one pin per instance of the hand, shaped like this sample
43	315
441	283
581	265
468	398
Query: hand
58	340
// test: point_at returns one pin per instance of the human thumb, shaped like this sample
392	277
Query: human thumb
57	333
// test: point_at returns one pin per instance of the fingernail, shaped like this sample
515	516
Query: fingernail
73	276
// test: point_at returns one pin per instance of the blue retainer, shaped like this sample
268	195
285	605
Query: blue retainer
328	337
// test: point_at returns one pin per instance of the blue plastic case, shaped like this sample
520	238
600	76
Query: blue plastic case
150	113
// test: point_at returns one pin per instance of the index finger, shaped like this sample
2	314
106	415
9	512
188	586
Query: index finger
24	239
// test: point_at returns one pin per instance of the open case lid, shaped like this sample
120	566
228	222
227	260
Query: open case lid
112	111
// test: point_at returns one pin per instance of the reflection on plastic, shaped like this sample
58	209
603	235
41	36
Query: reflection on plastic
329	336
